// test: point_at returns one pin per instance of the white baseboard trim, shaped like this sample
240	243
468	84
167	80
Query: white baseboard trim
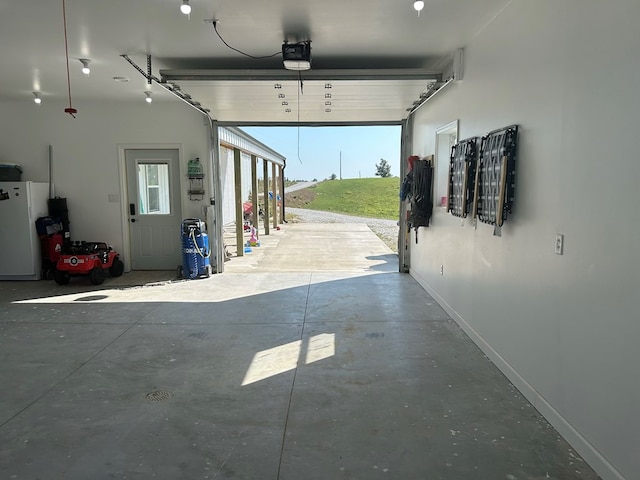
588	452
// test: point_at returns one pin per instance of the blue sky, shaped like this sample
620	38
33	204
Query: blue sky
319	153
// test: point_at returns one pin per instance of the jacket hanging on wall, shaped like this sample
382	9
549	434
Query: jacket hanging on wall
406	186
421	198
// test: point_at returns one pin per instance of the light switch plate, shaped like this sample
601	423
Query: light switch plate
559	244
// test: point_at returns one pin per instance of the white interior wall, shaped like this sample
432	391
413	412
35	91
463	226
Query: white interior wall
564	328
86	149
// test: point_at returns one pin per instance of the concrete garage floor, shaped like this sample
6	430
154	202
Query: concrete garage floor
311	358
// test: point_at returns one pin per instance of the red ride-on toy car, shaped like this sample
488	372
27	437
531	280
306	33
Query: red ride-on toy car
88	258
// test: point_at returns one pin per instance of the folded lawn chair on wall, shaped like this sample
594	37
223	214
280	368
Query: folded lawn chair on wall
495	176
462	175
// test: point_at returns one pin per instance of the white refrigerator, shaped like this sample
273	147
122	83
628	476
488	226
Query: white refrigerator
21	203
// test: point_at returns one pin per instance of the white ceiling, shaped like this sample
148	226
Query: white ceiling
374	36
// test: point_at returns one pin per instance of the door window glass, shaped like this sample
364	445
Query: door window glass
153	188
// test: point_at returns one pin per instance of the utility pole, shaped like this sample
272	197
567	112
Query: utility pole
340	164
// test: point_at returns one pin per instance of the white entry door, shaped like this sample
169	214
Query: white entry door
153	184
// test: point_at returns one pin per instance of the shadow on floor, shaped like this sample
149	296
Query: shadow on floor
390	262
292	376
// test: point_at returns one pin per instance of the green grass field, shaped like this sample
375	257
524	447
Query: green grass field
364	197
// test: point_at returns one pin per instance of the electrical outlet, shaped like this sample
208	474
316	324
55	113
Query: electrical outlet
441	269
559	244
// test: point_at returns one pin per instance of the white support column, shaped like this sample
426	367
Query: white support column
214	210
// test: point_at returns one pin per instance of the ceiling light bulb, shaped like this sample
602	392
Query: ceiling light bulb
85	66
185	7
37	98
148	99
418	5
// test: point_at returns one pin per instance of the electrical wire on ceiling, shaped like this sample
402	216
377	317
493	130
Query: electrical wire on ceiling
70	110
279	52
215	27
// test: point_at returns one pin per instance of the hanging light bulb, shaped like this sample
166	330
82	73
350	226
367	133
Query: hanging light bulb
148	99
37	98
85	66
185	7
418	5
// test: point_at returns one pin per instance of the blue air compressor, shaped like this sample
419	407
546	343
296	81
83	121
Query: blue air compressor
195	249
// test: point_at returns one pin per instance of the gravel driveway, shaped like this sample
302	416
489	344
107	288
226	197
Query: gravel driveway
387	230
298	186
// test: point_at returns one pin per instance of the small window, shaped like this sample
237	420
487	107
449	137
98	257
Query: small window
153	188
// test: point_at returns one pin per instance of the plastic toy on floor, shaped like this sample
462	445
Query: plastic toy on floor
253	240
93	259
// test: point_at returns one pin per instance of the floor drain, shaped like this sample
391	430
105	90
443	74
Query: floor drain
91	298
158	396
